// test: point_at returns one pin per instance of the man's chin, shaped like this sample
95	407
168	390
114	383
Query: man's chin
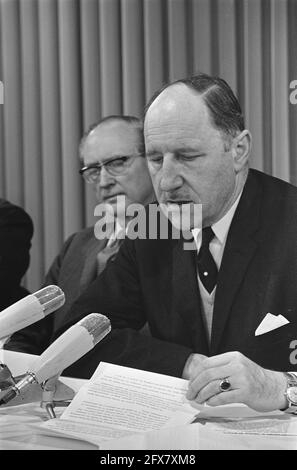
115	205
119	211
183	217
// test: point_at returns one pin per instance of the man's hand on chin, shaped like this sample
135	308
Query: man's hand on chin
258	388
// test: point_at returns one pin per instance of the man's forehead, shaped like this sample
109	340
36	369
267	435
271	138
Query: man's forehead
111	139
178	114
117	134
176	103
114	127
175	96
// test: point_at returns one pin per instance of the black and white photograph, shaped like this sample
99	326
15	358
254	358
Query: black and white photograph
148	228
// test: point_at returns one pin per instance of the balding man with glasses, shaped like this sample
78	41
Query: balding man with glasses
113	162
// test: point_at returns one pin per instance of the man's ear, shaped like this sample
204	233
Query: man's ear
241	149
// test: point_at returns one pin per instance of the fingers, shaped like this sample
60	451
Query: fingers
209	391
192	365
207	381
221	359
224	398
205	387
217	361
252	385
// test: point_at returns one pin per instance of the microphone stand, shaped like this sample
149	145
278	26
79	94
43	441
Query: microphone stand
48	392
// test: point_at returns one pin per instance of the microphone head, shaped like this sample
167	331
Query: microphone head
51	298
97	325
30	309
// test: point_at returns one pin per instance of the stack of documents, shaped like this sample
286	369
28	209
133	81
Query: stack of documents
124	408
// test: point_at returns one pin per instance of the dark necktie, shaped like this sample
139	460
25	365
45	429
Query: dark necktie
207	268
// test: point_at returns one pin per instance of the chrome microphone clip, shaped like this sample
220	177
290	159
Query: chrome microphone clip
16	388
48	391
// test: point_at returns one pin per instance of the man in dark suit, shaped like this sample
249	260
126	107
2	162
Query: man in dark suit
224	314
16	231
112	156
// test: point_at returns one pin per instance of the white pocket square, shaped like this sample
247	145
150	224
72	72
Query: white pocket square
270	322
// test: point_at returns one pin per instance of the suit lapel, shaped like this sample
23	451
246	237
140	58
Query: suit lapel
239	250
186	297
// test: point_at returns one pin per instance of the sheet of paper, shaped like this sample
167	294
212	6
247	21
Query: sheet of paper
120	401
199	437
239	419
232	411
266	426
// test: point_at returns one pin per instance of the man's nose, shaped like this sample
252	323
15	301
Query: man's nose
170	177
105	179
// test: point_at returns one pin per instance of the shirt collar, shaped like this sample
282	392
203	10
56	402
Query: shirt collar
221	227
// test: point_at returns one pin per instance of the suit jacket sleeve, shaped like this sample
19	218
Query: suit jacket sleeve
16	231
117	293
35	338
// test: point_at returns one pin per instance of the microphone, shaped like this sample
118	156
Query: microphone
30	309
68	348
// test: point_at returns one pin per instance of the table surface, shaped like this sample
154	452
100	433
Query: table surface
16	431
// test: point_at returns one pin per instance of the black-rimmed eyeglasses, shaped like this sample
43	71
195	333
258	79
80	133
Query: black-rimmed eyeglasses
115	167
